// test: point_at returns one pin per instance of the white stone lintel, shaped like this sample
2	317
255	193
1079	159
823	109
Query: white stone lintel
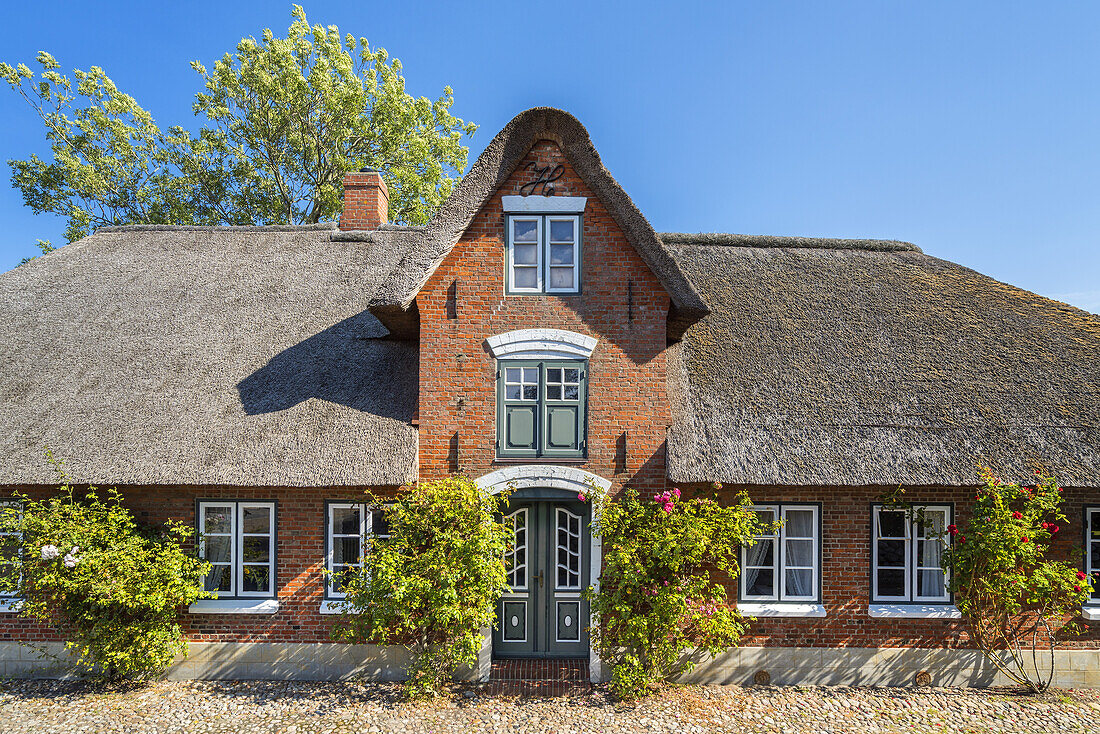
551	476
781	609
541	344
234	606
1091	613
544	204
914	611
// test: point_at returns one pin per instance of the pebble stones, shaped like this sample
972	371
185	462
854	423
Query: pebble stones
45	707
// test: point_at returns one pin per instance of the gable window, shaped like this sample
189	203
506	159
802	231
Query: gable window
784	566
905	555
541	409
350	527
1092	552
544	253
238	540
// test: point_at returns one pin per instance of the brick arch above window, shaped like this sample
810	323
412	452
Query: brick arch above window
549	476
541	344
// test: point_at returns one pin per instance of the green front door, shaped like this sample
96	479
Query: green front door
544	615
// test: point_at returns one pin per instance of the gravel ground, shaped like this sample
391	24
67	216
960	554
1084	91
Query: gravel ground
44	707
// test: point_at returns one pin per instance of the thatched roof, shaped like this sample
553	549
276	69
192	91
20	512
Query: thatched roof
394	303
206	356
870	363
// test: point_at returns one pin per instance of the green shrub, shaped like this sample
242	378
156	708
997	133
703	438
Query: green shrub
111	588
434	583
1015	600
656	596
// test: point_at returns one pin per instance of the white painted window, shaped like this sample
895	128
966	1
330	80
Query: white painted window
1092	551
785	565
907	546
544	253
11	548
349	529
237	538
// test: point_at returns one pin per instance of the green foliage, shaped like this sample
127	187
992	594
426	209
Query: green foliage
110	587
285	118
656	596
1013	598
434	583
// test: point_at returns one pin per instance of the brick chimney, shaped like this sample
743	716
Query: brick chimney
366	200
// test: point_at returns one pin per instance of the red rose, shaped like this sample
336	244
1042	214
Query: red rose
1081	575
953	530
1076	588
1025	539
1017	516
1053	529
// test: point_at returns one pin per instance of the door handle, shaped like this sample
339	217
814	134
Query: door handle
538	576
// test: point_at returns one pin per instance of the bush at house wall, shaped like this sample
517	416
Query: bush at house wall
656	596
432	585
113	589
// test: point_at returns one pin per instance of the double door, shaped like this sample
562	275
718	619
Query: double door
544	614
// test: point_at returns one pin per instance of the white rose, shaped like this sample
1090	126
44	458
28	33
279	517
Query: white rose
50	552
70	561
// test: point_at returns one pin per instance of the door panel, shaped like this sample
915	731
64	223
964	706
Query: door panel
544	615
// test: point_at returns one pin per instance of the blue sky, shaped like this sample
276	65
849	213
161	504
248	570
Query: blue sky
971	129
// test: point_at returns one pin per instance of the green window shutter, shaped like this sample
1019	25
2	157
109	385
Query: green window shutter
564	410
519	399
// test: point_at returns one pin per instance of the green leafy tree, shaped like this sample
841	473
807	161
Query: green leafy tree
113	589
283	120
434	583
656	596
1015	600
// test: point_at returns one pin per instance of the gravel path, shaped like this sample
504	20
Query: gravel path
44	707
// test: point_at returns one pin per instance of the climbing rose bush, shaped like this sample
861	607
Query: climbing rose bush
111	588
1014	599
656	596
434	583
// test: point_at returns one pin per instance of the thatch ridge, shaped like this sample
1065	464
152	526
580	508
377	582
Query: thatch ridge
205	356
393	303
853	367
728	239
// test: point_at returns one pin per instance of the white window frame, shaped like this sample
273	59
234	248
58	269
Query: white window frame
366	534
1089	542
512	287
9	600
779	557
236	564
576	252
911	568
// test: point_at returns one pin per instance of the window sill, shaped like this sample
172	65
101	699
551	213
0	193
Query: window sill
914	611
781	609
234	606
10	606
332	606
1091	613
538	460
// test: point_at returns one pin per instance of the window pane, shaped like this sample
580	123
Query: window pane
891	582
340	576
256	549
759	582
553	374
1095	525
256	520
765	517
525	230
561	230
891	524
219	579
931	525
1095	555
561	254
572	375
800	552
1096	585
553	392
256	578
218	548
561	277
929	553
799	582
380	526
511	374
931	583
218	520
891	553
525	254
760	553
345	520
530	392
531	375
512	392
345	550
526	278
799	524
572	392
